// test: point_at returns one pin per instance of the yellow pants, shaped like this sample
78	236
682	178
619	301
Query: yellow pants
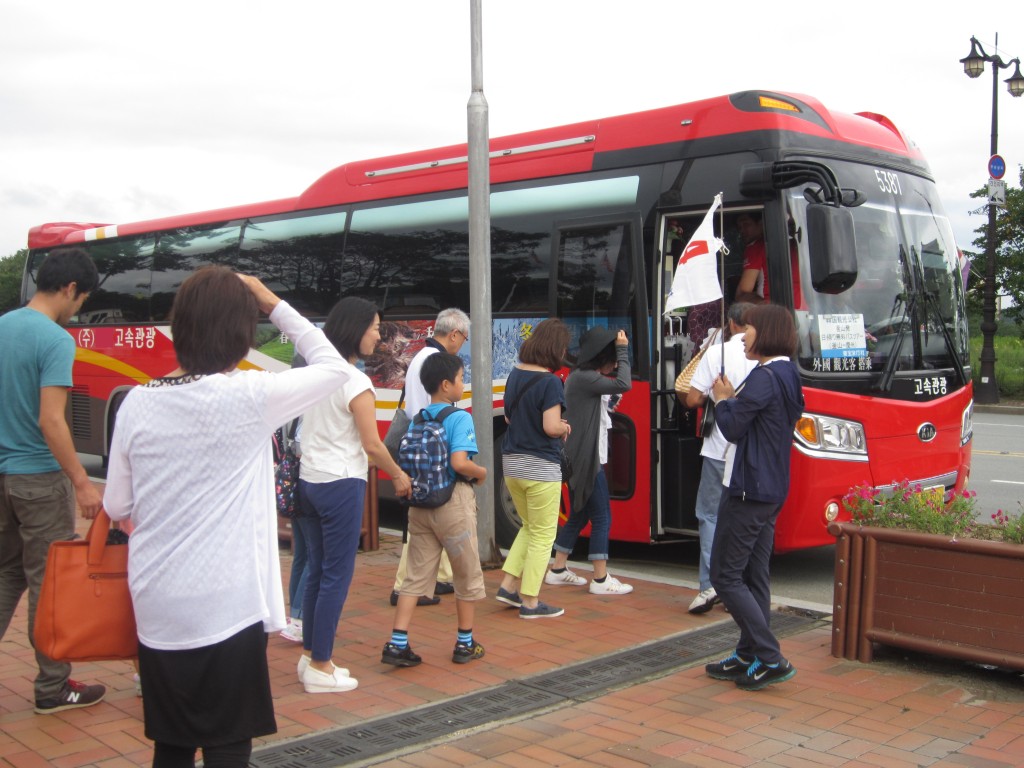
537	504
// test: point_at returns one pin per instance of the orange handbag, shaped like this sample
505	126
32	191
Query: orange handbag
85	609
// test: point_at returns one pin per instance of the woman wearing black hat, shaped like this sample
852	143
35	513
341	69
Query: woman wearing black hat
588	396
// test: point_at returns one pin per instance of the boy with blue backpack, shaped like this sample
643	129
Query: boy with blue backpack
437	452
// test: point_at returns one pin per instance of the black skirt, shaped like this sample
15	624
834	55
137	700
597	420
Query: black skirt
210	696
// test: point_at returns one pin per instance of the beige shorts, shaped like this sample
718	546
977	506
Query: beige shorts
452	528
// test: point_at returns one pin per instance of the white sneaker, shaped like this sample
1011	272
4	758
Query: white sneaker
610	586
315	681
304	662
293	632
564	579
704	602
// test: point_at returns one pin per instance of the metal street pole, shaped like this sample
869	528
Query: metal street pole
987	390
480	345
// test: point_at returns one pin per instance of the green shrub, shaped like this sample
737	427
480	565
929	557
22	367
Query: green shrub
1009	364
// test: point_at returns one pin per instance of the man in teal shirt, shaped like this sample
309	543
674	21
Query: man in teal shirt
40	474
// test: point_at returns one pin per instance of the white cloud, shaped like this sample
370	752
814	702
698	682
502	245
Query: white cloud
119	110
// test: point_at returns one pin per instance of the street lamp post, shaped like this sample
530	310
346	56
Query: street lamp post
974	64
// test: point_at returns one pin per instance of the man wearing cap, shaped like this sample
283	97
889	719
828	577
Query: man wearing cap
588	396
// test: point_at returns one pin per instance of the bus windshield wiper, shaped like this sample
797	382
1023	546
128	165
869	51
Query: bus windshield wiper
932	308
885	378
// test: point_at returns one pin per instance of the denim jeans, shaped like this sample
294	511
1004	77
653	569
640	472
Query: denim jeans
332	518
709	495
598	512
297	580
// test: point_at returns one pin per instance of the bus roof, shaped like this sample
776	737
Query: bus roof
548	152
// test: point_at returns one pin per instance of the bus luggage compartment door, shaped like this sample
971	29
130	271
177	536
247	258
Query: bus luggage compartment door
680	475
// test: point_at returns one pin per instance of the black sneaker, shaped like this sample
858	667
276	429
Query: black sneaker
420	601
542	611
511	599
732	667
399	657
444	588
760	675
72	696
465	653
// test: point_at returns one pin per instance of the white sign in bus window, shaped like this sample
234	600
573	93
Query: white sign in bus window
842	336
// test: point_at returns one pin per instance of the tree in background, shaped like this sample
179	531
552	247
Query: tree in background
11	268
1009	254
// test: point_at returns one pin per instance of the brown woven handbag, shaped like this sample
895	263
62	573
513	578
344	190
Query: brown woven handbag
684	378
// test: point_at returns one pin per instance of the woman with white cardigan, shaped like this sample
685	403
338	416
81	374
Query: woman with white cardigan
191	464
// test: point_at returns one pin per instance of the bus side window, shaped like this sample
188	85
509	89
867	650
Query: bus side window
594	277
298	257
124	288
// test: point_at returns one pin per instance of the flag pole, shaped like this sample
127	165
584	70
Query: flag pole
721	278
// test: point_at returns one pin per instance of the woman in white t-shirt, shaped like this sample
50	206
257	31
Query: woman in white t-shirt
338	436
190	463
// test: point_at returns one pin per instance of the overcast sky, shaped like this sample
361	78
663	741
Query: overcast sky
116	111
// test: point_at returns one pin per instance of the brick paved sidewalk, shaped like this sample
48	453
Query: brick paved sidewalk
834	712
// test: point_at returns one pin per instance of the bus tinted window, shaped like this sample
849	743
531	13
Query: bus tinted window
523	221
179	252
595	277
411	258
123	293
298	258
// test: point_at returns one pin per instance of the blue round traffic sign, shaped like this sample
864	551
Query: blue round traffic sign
996	167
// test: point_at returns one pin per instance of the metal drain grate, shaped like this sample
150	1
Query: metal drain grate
400	731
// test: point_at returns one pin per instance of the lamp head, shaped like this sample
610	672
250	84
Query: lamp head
974	62
1015	84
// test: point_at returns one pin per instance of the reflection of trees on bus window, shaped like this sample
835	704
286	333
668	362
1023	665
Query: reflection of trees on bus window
179	252
124	288
299	258
595	278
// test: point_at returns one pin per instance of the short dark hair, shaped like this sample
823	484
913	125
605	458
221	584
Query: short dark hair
64	266
547	345
213	321
736	312
776	331
439	368
347	323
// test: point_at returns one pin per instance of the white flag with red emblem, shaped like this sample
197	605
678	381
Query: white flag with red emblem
696	279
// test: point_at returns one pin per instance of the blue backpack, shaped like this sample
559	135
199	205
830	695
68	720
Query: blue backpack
424	456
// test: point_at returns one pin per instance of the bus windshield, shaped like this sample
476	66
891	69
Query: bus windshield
905	312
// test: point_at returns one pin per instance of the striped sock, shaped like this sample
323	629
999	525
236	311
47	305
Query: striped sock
400	638
465	636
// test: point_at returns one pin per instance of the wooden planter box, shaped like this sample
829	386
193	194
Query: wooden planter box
961	599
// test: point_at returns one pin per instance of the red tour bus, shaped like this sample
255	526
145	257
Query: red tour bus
586	221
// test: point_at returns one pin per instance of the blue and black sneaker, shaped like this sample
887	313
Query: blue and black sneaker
732	667
760	675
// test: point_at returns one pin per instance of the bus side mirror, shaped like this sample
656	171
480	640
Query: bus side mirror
833	250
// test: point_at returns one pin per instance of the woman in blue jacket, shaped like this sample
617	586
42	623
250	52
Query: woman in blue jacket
759	420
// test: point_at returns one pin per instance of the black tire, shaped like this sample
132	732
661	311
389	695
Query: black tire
506	519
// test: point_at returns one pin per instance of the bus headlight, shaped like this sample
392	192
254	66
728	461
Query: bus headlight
824	433
967	424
